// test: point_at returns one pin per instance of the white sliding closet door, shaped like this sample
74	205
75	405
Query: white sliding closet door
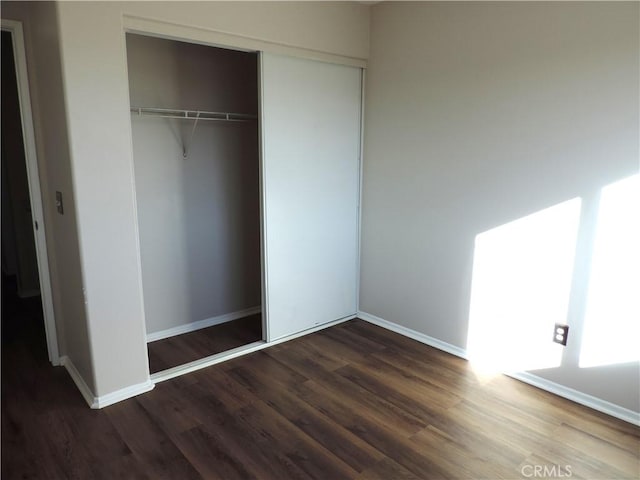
311	131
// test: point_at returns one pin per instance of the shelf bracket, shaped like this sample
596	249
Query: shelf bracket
185	147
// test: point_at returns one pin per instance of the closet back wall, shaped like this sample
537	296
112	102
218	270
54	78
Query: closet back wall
198	217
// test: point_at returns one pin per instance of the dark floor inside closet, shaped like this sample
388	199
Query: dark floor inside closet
173	351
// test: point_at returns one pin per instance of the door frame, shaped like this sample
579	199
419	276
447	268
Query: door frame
33	179
150	28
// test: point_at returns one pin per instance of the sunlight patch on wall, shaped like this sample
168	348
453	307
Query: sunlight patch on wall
522	273
612	319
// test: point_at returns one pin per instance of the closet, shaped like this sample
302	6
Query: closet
196	162
247	174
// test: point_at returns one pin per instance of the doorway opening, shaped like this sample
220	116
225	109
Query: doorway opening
28	324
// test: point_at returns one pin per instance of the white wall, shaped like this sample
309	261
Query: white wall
478	114
340	28
199	217
45	83
96	97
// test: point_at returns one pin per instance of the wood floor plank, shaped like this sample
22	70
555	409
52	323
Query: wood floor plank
352	341
308	454
459	461
473	437
382	436
433	370
506	392
608	429
108	450
403	380
384	337
336	349
249	446
168	353
210	457
126	467
221	386
521	441
597	448
171	407
539	417
65	454
387	469
581	466
332	436
235	442
268	367
305	349
354	401
180	349
149	443
21	438
427	412
376	406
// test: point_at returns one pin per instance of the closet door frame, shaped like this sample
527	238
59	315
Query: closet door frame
161	33
183	33
264	291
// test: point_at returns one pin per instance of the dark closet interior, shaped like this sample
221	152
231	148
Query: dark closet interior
194	120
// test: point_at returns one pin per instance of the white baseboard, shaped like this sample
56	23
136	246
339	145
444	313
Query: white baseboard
207	362
103	400
123	394
207	322
526	377
579	397
420	337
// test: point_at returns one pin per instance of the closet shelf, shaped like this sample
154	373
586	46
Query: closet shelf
193	114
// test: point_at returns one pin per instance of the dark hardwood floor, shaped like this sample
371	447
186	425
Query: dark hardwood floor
353	401
181	349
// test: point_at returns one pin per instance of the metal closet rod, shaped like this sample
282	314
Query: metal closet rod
193	114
